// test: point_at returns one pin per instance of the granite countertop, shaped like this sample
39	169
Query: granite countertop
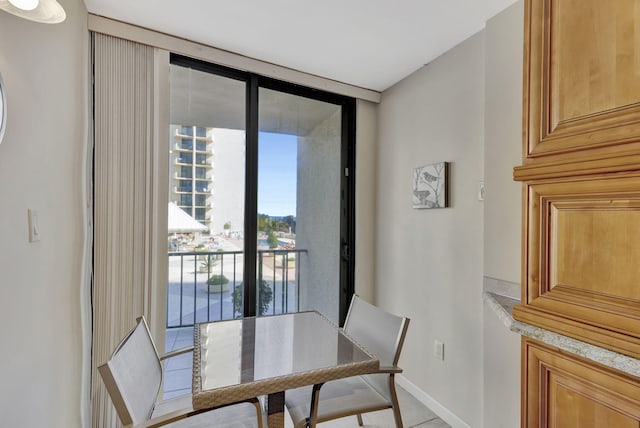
503	307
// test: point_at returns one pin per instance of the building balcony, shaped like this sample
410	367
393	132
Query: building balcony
178	189
201	163
206	149
187	132
202	174
180	134
181	147
183	162
189	148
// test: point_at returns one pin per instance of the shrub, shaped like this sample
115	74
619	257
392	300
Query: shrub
264	296
217	279
208	263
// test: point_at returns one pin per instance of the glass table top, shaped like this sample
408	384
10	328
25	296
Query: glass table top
286	347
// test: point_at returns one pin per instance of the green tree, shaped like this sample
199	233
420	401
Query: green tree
264	297
227	225
272	240
264	224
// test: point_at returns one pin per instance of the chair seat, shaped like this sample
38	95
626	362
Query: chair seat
338	398
241	415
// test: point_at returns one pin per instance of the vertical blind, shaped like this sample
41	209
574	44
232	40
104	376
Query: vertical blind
123	197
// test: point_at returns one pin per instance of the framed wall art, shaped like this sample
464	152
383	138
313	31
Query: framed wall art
430	186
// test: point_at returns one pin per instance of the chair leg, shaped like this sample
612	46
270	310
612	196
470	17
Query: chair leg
258	405
315	398
360	420
394	401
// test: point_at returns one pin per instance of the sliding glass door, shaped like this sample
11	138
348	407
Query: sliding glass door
299	172
260	212
207	170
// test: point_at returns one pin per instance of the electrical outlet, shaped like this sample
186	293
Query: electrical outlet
438	350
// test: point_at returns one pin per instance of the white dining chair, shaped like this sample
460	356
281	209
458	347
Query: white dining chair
133	378
381	334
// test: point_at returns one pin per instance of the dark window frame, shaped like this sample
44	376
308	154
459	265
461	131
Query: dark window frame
347	160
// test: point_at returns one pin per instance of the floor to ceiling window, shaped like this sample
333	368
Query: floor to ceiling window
260	196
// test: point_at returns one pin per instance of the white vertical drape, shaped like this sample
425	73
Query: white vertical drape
124	192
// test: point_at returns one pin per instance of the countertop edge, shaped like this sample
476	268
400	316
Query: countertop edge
503	307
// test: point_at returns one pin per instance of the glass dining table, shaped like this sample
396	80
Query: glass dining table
240	359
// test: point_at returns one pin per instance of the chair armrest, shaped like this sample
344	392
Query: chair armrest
176	352
389	369
166	419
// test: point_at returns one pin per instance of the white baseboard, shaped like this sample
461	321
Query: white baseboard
437	408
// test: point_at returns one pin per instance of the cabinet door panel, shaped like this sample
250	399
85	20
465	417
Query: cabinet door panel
594	66
581	257
592	246
582	77
562	391
569	408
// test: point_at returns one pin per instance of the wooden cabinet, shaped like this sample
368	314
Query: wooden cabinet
581	265
581	207
582	78
581	171
564	391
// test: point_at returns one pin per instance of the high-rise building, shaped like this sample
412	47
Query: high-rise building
191	170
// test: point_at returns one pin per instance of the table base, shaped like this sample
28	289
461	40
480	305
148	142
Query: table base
275	410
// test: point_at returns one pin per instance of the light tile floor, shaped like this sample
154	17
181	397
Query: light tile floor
177	381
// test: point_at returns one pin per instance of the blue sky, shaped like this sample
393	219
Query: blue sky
277	174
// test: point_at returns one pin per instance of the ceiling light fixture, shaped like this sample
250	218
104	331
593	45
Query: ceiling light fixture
25	4
44	11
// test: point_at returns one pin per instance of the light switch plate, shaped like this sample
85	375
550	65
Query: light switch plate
34	226
481	190
438	349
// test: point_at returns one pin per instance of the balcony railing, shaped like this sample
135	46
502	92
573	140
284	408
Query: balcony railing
190	299
183	189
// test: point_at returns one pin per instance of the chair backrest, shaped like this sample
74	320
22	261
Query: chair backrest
133	375
380	332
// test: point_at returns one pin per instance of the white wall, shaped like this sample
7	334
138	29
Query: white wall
45	69
502	209
228	180
429	262
503	143
318	217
